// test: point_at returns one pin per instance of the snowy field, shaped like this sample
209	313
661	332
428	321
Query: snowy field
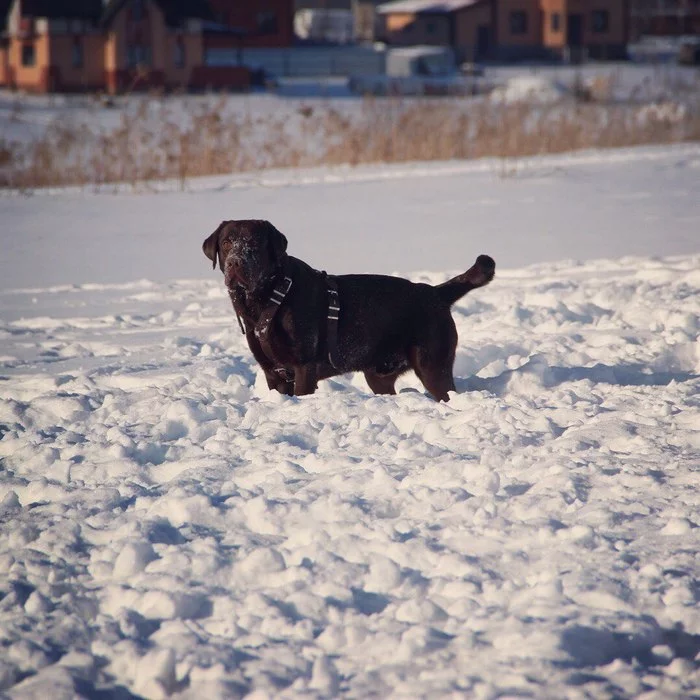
171	528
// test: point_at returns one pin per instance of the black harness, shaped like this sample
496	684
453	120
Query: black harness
277	296
333	316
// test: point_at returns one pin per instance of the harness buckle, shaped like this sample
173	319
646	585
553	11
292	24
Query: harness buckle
333	305
279	293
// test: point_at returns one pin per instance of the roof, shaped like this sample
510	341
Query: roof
104	11
424	6
4	13
63	9
421	50
175	11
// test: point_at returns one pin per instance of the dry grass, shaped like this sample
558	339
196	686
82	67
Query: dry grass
155	141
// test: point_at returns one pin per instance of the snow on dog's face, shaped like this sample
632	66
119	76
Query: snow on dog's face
249	251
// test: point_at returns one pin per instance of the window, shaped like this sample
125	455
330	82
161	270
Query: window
556	21
600	21
26	26
267	22
138	10
179	58
138	55
518	22
430	28
28	55
77	53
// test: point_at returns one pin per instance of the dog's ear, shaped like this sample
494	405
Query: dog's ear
211	244
277	242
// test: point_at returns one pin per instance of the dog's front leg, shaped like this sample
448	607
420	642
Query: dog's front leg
305	379
276	380
279	382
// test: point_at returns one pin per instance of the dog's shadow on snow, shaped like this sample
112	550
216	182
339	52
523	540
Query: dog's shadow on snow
537	371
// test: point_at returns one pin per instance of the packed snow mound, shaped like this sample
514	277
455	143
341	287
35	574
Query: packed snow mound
529	88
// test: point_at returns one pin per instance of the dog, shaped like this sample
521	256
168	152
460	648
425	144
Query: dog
303	325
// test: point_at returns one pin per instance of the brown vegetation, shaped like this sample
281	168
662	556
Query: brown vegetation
160	138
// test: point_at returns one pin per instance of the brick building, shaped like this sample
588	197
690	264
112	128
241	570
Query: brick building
116	45
510	29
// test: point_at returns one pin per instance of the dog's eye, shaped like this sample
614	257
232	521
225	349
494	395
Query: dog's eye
226	245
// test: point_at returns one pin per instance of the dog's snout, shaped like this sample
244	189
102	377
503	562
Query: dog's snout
236	270
231	268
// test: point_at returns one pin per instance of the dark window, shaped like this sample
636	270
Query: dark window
267	23
430	28
518	22
179	54
77	53
28	55
600	21
138	10
556	21
138	55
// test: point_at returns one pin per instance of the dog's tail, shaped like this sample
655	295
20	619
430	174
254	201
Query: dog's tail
478	275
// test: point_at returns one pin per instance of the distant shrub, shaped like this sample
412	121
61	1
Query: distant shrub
175	138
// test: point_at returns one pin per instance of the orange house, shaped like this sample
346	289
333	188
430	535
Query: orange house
151	43
117	45
510	29
37	44
573	28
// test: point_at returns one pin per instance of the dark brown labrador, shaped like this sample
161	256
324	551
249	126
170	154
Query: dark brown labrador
385	326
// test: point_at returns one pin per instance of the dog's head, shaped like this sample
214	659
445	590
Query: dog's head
250	252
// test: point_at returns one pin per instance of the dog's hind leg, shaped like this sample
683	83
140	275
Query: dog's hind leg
435	377
433	361
382	383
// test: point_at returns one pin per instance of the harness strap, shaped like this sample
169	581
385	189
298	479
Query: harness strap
277	296
333	316
262	327
233	296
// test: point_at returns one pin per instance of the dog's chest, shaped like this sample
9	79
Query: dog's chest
282	336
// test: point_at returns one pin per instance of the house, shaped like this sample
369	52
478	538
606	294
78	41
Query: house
664	18
4	43
117	45
510	29
45	40
363	12
149	43
598	29
256	24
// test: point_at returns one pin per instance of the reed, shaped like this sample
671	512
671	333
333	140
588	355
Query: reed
163	138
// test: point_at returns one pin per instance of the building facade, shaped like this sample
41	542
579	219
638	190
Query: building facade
121	45
664	18
256	23
510	29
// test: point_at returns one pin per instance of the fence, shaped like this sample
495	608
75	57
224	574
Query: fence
302	62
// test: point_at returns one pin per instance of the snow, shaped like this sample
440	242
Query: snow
529	88
172	529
